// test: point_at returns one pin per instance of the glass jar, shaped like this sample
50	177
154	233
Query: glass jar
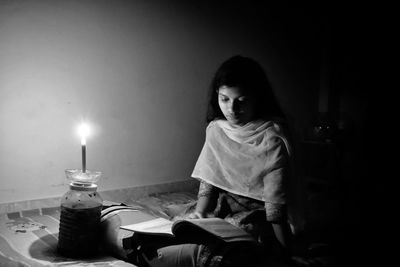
80	220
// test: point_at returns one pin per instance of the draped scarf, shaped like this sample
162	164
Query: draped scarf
249	160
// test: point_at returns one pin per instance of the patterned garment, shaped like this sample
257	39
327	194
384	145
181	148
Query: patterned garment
274	212
247	213
216	255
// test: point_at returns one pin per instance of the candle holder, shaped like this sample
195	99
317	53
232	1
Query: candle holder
77	176
80	215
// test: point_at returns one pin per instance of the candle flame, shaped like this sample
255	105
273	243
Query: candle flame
84	132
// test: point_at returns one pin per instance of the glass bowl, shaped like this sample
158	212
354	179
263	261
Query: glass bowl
88	177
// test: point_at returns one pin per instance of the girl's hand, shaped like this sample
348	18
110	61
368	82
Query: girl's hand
195	215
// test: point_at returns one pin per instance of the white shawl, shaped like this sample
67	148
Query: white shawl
250	160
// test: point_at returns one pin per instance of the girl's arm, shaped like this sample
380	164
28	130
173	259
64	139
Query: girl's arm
276	187
207	200
276	215
283	235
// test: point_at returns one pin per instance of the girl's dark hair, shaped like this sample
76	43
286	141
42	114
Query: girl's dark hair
246	73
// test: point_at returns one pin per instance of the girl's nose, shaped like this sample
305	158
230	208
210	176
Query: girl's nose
234	106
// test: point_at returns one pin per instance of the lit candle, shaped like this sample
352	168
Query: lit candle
83	132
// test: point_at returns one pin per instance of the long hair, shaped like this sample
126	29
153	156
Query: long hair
247	74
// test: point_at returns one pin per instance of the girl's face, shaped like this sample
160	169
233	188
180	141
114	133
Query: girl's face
237	107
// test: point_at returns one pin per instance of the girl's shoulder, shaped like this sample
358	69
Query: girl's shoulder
273	129
211	123
214	124
212	128
277	135
277	127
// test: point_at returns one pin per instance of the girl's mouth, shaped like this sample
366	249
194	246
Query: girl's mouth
236	118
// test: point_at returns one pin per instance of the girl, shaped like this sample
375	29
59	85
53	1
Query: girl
245	174
245	167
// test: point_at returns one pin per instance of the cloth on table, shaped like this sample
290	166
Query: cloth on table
30	237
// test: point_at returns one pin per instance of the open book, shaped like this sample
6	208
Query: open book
192	229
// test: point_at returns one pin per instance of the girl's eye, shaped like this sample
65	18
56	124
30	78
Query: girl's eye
224	99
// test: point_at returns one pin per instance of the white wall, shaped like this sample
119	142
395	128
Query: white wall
136	70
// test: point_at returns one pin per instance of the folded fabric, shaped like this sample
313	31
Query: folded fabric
249	160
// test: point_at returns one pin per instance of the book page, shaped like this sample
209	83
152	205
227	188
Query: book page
154	226
217	227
